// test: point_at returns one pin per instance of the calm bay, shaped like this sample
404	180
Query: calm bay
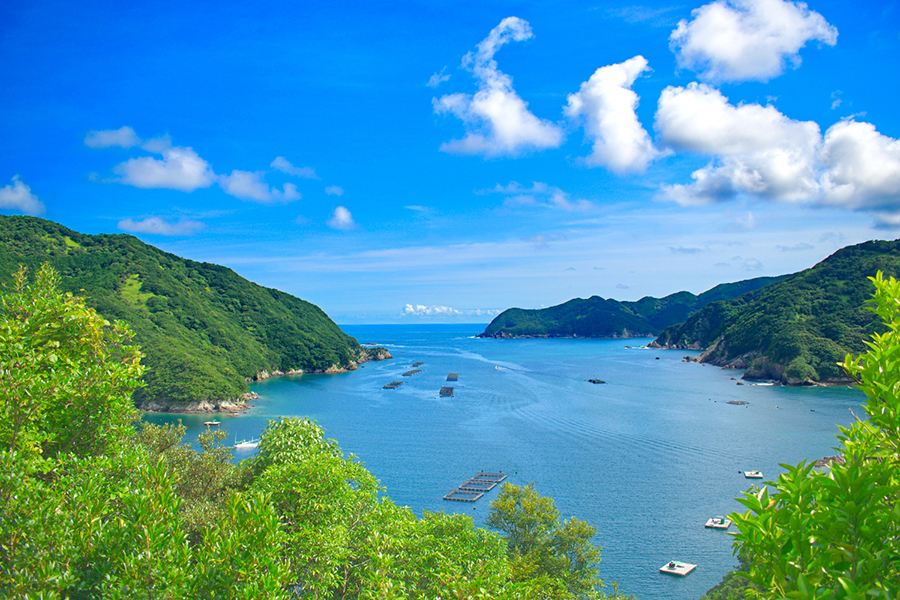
646	457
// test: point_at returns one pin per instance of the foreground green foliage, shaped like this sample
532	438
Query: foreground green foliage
733	586
58	358
132	512
796	330
836	534
597	317
203	329
541	546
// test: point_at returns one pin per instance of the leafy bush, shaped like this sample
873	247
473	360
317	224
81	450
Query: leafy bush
835	534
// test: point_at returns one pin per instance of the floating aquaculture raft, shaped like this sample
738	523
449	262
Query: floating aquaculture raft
446	392
413	372
393	385
474	488
453	377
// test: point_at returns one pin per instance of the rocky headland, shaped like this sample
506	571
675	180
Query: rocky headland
240	404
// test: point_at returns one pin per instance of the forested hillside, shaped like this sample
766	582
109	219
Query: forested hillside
203	329
796	330
597	317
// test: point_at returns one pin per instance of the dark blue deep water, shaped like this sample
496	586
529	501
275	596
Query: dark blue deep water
646	458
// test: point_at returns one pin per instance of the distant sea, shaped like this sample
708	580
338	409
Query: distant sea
646	458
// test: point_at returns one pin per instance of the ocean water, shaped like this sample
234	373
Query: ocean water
646	458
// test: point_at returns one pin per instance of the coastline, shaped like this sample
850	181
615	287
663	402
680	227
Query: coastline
232	406
769	372
236	406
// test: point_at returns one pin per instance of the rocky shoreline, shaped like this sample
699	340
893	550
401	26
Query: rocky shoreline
756	367
234	406
231	406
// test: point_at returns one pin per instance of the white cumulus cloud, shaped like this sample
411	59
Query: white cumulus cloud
251	185
285	166
420	310
497	120
158	226
17	196
740	40
334	190
607	104
179	169
341	219
124	137
862	168
756	149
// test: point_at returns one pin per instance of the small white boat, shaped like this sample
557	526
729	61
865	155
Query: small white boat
675	567
246	444
753	474
718	523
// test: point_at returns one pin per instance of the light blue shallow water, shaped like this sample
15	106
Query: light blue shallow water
646	458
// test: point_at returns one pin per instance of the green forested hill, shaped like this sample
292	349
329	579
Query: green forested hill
795	330
597	317
202	328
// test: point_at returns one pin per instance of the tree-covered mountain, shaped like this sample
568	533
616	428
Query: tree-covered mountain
203	329
795	330
597	317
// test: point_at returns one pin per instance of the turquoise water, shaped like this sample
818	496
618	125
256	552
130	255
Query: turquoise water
646	458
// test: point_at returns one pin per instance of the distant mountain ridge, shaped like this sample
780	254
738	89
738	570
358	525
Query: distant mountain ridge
597	317
204	330
796	330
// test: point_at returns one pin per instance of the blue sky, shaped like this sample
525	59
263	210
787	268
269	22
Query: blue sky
394	162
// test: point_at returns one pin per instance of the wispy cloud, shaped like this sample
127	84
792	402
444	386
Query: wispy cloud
282	164
687	250
796	247
655	16
334	190
751	264
158	226
438	78
539	194
497	120
17	196
743	222
251	185
124	137
836	100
